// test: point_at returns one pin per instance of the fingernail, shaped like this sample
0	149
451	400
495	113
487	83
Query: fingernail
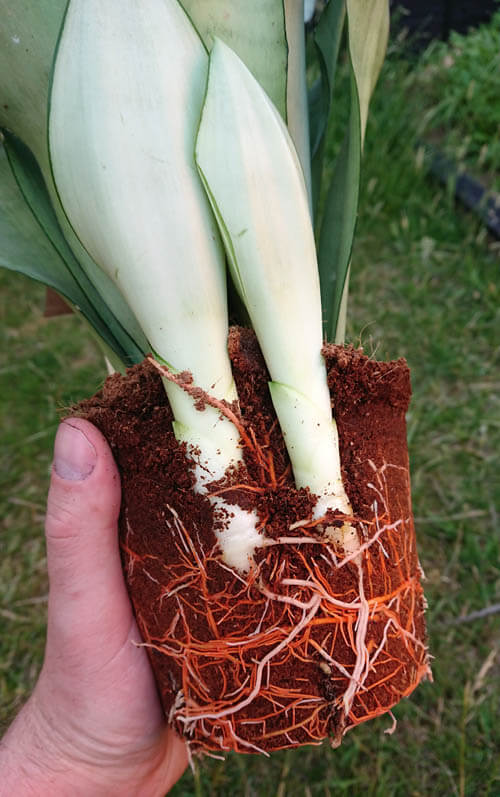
74	455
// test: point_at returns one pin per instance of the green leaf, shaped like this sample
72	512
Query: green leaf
268	36
33	244
327	37
28	37
368	26
253	30
339	220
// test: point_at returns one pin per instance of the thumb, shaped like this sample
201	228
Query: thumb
83	560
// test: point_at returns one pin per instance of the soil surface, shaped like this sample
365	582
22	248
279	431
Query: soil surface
311	642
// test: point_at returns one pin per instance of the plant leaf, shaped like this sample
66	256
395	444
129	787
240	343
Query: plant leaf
368	26
131	348
327	37
256	187
368	22
121	143
28	37
122	153
268	36
339	220
253	30
27	249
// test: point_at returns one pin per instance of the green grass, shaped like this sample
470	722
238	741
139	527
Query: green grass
460	79
425	286
44	367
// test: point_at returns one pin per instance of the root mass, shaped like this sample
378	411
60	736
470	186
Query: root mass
312	641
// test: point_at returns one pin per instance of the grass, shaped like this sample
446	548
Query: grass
44	367
460	79
425	286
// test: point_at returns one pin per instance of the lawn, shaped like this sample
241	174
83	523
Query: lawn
460	80
424	286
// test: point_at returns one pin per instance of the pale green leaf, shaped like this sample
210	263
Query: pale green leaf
27	249
122	154
28	36
315	465
255	31
257	190
268	36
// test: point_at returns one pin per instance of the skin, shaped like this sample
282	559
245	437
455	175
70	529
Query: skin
93	725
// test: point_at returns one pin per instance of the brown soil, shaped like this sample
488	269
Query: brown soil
311	642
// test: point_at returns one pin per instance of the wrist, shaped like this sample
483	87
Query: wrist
25	762
36	762
33	762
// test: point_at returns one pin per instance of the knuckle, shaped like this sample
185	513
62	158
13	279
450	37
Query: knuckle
61	521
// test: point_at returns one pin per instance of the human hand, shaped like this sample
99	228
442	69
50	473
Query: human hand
94	724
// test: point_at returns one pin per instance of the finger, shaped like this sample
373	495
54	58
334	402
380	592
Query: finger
87	590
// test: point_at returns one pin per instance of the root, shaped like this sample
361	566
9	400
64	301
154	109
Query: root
312	641
309	644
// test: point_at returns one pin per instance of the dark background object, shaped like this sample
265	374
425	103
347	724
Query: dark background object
434	19
485	204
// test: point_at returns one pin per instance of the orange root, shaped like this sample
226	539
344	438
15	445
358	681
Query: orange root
309	644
